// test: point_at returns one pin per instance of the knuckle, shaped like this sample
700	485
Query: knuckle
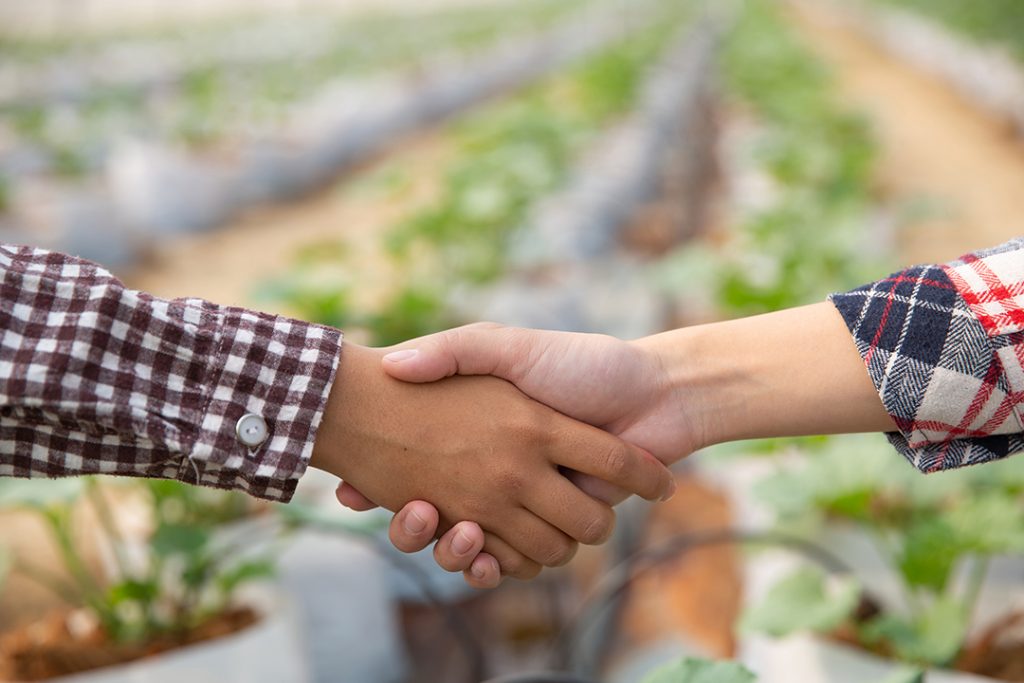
525	570
476	508
598	528
616	462
560	554
530	424
511	481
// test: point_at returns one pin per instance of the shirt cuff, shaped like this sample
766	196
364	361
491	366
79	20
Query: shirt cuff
281	371
936	368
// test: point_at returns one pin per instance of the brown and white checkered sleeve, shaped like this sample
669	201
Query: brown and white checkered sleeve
99	378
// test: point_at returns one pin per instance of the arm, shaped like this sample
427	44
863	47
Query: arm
98	378
942	346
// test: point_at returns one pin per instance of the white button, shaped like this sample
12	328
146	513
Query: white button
251	430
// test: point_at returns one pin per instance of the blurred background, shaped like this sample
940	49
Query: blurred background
618	166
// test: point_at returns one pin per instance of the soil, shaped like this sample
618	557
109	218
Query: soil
48	648
697	596
963	167
999	652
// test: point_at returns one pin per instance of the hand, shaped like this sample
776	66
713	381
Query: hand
478	449
621	387
601	380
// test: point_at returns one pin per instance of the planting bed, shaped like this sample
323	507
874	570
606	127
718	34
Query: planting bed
152	187
951	208
976	48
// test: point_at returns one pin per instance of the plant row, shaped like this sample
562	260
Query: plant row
800	172
998	22
152	189
975	47
919	547
509	157
210	98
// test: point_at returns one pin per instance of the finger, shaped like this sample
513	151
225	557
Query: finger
511	562
350	497
456	550
591	451
596	488
413	527
484	573
537	539
572	511
478	349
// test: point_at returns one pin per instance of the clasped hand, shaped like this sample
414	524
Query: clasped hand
492	462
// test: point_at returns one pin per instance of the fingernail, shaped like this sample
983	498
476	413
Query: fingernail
478	571
461	544
672	486
400	356
413	523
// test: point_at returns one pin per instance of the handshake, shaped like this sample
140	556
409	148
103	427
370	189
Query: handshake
521	450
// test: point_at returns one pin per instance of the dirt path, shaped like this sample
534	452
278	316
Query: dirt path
967	167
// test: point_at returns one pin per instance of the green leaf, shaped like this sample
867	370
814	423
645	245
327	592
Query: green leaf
930	550
174	539
934	637
942	629
803	602
692	670
843	480
198	570
133	590
905	676
988	524
977	522
245	572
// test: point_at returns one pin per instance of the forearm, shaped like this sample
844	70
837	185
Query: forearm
98	378
790	373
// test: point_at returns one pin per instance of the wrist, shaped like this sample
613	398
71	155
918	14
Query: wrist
795	372
699	382
351	383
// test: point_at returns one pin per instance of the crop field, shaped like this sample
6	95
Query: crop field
615	167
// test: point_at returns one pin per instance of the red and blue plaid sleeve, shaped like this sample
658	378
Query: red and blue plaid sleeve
944	345
96	378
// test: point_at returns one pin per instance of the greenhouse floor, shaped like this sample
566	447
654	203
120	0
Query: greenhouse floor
978	171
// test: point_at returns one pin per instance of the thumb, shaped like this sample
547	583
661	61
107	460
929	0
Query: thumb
478	349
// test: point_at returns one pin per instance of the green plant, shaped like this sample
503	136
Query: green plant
805	237
993	21
5	194
691	670
510	155
188	571
926	530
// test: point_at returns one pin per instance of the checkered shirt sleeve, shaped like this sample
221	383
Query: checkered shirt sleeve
944	345
98	378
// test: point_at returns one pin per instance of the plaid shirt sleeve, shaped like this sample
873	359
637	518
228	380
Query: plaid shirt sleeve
98	378
944	345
